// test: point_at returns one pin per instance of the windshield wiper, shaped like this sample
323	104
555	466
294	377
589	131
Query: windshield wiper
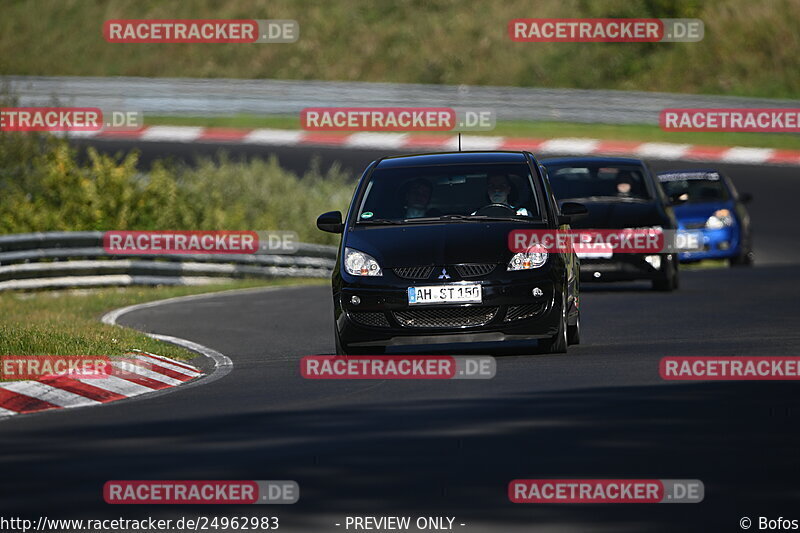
519	218
471	218
377	221
463	218
435	219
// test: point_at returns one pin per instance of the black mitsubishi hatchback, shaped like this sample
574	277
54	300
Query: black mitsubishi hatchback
425	258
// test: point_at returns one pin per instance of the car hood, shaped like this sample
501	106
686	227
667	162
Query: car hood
436	244
611	214
700	211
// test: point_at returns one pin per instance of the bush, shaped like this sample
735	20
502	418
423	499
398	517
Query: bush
44	186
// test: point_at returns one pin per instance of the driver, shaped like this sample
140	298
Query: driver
498	188
418	196
625	183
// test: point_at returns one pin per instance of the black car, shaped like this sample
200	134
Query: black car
620	193
424	257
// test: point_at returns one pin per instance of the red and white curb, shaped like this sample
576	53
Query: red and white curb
426	142
153	373
20	397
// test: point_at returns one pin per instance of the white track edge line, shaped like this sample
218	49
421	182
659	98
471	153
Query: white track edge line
222	363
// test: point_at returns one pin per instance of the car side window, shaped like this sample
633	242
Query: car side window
551	197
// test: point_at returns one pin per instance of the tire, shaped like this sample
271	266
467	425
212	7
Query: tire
744	259
339	349
667	284
558	343
574	332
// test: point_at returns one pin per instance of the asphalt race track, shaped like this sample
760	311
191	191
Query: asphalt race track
450	448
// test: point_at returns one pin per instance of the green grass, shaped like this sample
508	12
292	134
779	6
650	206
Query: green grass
750	48
706	264
68	322
540	130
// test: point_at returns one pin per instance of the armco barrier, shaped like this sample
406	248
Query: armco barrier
205	97
63	259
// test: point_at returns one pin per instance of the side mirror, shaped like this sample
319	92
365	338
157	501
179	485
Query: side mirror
571	211
745	197
330	222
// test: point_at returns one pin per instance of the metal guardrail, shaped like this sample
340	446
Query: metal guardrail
205	97
77	259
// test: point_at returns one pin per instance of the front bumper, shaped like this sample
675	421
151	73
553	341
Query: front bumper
721	243
625	267
508	311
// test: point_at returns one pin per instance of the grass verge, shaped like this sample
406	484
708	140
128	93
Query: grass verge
748	48
68	322
536	130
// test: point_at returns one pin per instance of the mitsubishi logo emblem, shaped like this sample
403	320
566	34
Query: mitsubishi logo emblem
444	274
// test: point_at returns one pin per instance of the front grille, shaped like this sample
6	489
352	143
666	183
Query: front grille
519	312
420	272
446	317
475	270
369	318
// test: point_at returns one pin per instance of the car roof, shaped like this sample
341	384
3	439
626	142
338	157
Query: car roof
603	160
451	158
696	174
691	171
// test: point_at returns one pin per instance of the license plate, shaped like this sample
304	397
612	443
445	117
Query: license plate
444	294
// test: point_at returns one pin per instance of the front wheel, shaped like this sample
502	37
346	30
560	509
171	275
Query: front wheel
744	259
668	283
574	332
558	343
339	349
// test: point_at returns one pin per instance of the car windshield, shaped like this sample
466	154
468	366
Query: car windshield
598	180
468	192
694	188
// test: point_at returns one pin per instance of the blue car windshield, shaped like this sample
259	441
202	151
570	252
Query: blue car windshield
694	188
402	195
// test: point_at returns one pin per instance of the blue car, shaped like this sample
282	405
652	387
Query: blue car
706	203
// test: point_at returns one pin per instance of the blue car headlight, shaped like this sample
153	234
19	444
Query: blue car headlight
722	218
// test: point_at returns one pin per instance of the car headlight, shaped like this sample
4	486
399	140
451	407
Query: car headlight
653	228
527	260
720	219
360	264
